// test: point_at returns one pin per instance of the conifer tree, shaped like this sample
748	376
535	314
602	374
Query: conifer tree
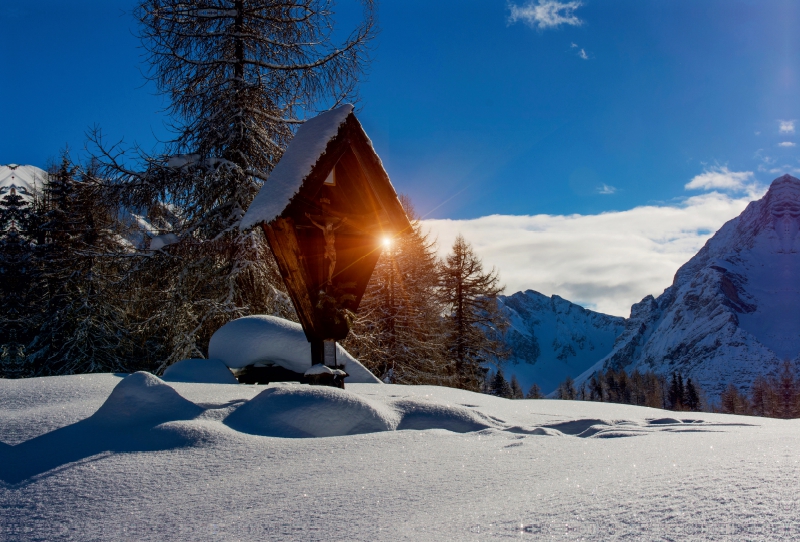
787	390
399	330
677	393
500	386
596	387
516	389
535	392
81	325
692	396
566	390
732	401
18	284
474	321
764	397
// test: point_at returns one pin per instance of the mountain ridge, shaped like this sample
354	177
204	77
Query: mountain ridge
731	313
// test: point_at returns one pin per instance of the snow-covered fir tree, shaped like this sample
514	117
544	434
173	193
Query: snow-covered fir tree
18	282
80	322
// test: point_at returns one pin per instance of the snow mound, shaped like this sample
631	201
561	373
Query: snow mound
305	149
296	411
421	415
305	411
269	340
143	399
200	371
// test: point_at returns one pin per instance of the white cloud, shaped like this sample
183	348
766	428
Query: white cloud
581	51
605	262
787	144
606	189
786	126
721	178
545	13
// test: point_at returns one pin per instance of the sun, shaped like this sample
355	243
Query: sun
387	242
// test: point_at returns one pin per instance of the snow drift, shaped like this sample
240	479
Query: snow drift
144	399
269	340
306	411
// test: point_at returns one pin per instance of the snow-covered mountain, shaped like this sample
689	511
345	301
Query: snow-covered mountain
24	179
552	338
733	310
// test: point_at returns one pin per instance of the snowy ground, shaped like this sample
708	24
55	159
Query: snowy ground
177	461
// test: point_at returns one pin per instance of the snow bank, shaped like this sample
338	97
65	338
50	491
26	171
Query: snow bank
421	415
143	399
200	371
270	340
305	149
306	411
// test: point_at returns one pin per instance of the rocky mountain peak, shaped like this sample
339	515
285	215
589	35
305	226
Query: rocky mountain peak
733	310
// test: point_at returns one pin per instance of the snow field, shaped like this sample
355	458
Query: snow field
173	462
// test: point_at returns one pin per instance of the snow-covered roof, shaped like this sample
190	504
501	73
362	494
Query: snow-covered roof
305	149
24	179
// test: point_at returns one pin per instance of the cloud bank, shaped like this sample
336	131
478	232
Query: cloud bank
605	262
544	14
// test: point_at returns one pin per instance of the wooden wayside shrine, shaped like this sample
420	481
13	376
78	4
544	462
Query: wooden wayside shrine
327	210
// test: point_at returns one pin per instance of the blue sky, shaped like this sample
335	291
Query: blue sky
567	108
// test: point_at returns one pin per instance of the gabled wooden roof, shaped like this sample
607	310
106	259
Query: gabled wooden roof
309	158
332	147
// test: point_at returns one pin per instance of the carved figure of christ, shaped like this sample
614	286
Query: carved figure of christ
328	227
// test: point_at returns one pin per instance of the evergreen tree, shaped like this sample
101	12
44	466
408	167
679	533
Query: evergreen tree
787	390
692	396
596	387
566	390
500	386
474	321
676	392
612	386
516	389
81	325
399	330
18	284
535	392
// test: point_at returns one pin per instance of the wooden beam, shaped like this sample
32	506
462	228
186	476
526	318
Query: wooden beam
291	261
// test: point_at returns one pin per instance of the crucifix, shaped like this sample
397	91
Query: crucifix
328	226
